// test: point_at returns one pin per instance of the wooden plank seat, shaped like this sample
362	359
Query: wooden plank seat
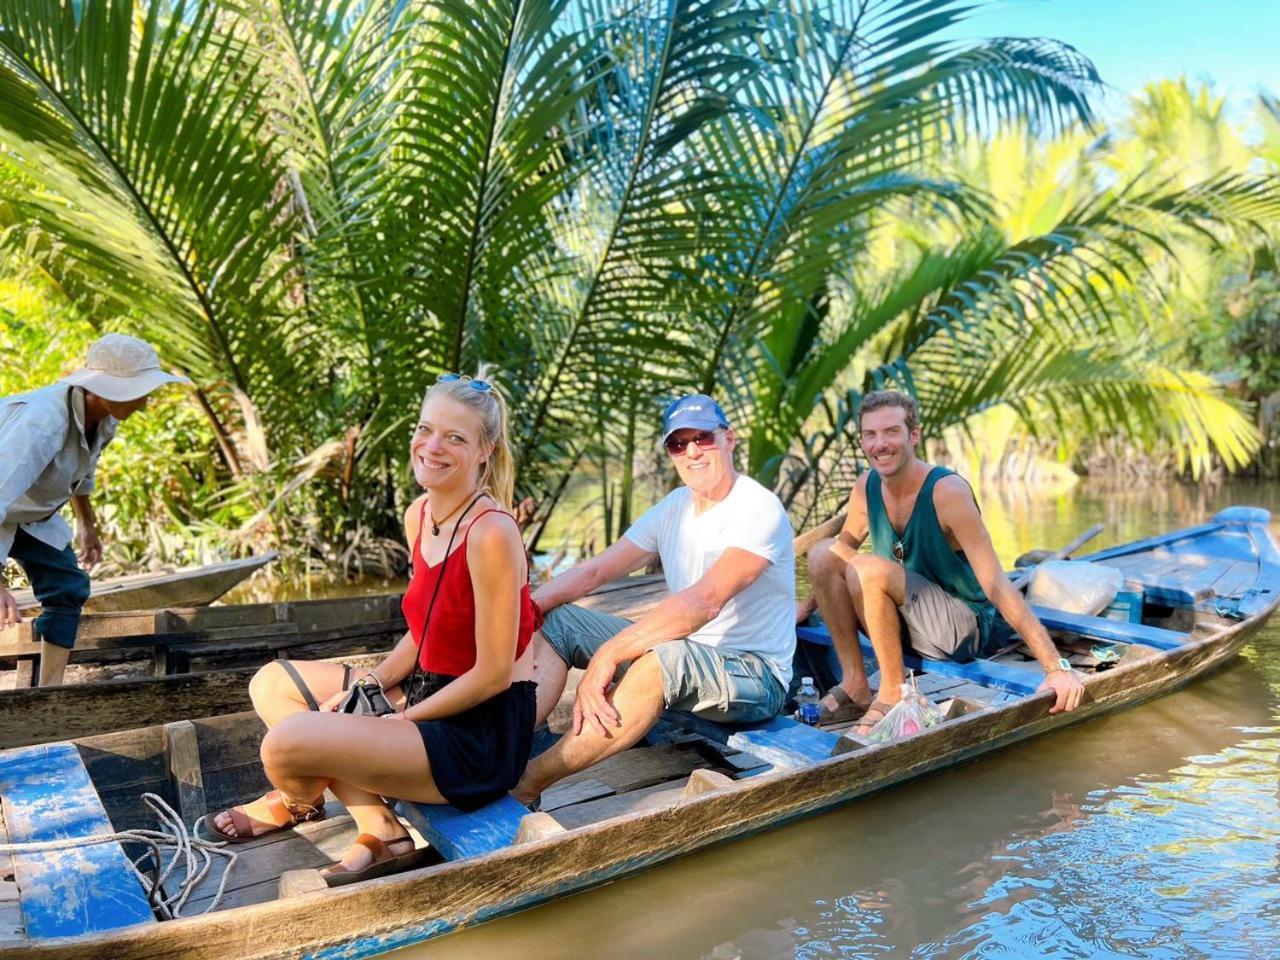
457	835
48	795
1009	677
1103	628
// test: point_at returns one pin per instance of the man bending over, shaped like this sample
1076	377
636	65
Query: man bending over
719	645
932	581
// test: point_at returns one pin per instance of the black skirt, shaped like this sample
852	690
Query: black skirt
478	755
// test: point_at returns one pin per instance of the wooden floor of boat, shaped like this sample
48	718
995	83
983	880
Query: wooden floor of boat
642	778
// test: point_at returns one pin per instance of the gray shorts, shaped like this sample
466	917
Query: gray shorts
713	682
938	625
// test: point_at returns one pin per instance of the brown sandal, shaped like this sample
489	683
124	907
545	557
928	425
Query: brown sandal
291	813
384	861
846	709
878	706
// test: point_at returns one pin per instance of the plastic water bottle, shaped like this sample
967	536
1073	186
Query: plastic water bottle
807	702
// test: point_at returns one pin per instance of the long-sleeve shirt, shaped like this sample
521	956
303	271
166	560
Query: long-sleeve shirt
45	459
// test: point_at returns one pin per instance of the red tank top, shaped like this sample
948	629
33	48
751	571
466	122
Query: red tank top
450	644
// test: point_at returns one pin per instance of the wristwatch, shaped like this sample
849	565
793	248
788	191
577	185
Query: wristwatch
1062	663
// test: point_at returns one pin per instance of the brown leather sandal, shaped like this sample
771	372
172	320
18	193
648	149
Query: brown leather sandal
877	706
846	709
385	861
287	814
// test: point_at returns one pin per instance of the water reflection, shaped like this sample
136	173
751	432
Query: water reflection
1150	833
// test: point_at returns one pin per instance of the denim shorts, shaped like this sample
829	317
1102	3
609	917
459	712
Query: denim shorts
717	683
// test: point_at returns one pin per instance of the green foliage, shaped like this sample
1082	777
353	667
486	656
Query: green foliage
315	206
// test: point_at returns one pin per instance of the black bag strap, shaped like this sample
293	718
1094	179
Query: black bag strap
431	605
301	684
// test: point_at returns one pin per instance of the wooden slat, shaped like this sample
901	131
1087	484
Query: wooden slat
640	767
1237	581
182	757
65	893
656	797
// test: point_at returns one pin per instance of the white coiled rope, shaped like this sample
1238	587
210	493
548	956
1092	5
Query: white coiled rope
186	848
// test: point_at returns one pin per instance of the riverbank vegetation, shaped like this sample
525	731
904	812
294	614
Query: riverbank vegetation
313	207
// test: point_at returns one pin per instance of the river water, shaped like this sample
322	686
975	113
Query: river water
1154	832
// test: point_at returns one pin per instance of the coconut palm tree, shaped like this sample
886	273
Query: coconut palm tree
315	206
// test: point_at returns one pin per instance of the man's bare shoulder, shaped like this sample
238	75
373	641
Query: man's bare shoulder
953	497
859	489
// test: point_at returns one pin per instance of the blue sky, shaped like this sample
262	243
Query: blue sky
1236	43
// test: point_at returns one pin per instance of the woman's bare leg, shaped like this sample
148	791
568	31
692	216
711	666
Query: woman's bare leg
308	752
275	696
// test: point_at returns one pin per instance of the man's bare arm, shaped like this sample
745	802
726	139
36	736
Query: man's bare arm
87	538
856	527
618	560
958	513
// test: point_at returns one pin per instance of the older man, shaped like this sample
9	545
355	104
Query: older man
932	582
50	441
720	645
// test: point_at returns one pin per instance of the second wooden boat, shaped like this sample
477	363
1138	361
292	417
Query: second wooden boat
1205	592
188	587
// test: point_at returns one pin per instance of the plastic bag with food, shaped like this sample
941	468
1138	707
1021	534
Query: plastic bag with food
913	713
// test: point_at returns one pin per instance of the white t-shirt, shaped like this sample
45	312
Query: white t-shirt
760	619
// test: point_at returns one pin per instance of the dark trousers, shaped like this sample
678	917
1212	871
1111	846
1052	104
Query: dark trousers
59	584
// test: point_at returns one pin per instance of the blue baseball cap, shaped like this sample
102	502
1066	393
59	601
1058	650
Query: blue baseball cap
696	411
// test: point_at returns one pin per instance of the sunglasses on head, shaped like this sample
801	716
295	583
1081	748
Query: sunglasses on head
706	439
479	386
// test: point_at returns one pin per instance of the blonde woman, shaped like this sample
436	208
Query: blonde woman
463	733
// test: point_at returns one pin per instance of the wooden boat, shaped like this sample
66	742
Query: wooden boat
198	661
188	587
1206	591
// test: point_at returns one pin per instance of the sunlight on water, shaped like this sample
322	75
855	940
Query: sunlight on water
1151	833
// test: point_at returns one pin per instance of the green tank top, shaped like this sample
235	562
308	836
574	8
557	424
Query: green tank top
926	551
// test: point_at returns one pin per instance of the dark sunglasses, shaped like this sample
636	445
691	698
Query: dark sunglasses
706	439
898	551
479	386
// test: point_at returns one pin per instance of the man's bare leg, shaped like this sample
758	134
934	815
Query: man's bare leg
883	586
638	700
53	663
838	594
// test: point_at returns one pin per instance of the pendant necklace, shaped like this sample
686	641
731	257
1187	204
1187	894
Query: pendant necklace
435	524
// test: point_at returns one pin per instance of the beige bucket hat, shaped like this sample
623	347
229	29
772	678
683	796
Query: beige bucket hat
121	368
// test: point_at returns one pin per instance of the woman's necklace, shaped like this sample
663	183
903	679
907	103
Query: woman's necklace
435	524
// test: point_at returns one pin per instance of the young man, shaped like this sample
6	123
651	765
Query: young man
719	645
932	580
50	441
